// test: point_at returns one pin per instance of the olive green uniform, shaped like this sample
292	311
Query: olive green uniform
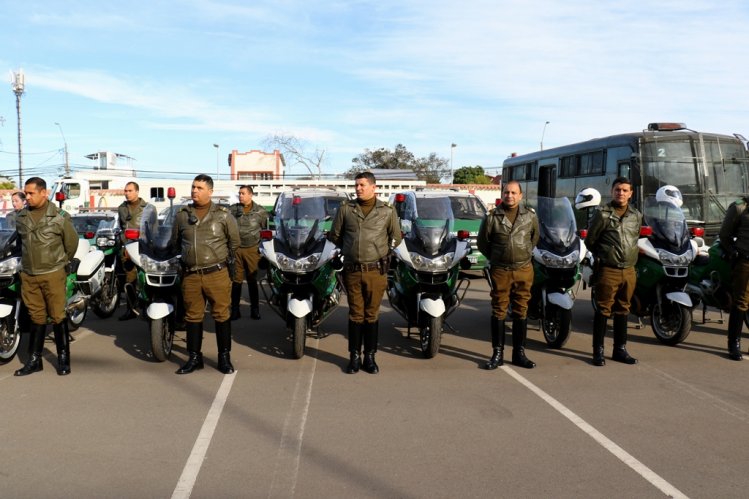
734	237
128	217
250	222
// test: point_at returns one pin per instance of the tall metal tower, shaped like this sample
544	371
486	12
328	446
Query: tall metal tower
17	83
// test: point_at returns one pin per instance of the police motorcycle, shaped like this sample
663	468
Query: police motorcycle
557	260
158	285
666	253
107	240
12	311
302	283
424	286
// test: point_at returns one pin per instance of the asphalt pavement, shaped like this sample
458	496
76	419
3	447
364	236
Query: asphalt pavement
122	425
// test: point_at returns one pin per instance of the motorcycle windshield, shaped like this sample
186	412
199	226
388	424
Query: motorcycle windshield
298	220
155	234
431	221
556	223
8	242
668	223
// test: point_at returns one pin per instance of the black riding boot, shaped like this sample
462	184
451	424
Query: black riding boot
620	341
254	296
370	333
498	343
62	341
131	299
236	297
599	333
36	343
194	333
735	325
223	342
519	332
354	346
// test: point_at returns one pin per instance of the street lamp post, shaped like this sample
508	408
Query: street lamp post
542	135
452	149
18	86
216	146
67	162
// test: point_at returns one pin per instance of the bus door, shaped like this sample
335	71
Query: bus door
547	181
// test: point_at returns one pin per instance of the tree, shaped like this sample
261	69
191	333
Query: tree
296	152
470	175
430	168
8	184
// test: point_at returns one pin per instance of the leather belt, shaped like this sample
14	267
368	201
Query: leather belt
361	267
207	270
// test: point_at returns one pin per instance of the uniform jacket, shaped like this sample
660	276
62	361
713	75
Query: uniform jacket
48	245
613	240
207	242
505	244
365	239
250	223
736	225
130	218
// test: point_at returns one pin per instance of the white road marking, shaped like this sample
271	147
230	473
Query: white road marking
286	469
639	468
195	461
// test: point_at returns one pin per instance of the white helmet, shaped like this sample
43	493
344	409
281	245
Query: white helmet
587	198
669	194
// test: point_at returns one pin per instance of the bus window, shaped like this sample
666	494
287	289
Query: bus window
623	169
591	163
569	166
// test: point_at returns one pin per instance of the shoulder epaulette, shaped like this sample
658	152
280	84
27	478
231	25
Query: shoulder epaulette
222	208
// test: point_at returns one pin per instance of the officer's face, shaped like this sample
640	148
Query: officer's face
131	193
364	190
621	193
511	195
200	193
245	197
35	197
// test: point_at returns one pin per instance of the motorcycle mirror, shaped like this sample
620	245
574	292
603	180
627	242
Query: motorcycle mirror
463	235
697	231
583	233
89	235
646	231
132	234
400	197
497	201
266	235
171	193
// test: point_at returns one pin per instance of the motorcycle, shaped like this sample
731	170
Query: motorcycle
557	260
666	252
11	307
108	241
302	283
158	285
424	286
83	282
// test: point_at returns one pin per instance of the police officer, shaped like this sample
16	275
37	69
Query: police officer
734	238
129	213
364	228
251	217
208	237
612	238
49	242
507	237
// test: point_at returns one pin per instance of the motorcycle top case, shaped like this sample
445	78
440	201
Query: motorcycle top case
91	272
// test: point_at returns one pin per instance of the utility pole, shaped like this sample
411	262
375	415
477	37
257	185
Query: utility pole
452	148
67	162
18	88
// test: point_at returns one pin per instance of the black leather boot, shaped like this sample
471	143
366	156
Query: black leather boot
354	347
36	343
370	332
223	342
254	297
131	300
620	341
236	297
498	343
62	341
735	325
519	332
194	333
599	333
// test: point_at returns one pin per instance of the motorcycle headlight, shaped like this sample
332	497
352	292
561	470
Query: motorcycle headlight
306	264
668	258
151	266
441	263
10	266
555	261
105	242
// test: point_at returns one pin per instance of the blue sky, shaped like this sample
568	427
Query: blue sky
163	81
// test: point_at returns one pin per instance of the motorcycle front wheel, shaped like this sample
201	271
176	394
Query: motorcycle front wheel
298	337
671	322
430	337
10	338
109	298
556	325
162	338
76	317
